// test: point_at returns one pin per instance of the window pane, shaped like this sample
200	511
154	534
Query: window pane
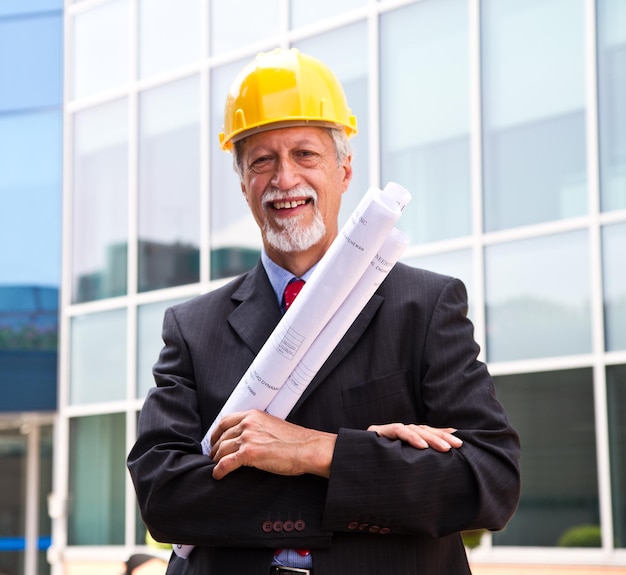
97	478
616	401
169	185
14	7
100	217
101	48
614	276
455	264
177	21
149	342
554	415
534	118
28	347
612	101
13	462
230	30
303	13
235	237
98	372
345	51
30	217
425	115
536	308
33	70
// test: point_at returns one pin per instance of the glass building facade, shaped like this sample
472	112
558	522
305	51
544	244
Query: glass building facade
31	119
506	119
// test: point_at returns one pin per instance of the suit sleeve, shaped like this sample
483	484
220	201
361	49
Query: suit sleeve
179	500
384	486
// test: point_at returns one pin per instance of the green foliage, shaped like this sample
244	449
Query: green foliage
471	539
581	536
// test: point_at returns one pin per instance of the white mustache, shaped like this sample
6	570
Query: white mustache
274	195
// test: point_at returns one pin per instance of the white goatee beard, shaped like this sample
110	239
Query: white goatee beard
293	236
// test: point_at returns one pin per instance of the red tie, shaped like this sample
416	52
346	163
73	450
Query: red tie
291	291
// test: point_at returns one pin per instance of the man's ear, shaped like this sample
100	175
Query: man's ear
347	173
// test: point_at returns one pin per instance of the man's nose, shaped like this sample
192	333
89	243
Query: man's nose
286	174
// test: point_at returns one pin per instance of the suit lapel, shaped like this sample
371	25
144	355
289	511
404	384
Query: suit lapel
257	313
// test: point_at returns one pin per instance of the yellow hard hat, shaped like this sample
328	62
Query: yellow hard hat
284	88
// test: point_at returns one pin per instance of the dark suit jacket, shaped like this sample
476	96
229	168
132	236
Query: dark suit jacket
387	508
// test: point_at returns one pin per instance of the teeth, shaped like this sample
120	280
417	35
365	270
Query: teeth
288	204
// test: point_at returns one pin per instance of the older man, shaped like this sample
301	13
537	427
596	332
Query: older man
399	443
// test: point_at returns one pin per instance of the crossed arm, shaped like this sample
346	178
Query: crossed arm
257	439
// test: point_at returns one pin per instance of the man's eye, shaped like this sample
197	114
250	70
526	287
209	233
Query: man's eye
261	160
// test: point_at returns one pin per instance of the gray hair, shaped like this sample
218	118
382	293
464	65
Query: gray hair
343	149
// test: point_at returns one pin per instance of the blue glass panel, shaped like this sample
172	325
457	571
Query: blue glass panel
534	118
32	70
28	347
100	48
96	480
235	24
612	101
537	292
614	280
424	92
554	415
14	7
303	13
616	403
30	187
98	372
180	22
169	185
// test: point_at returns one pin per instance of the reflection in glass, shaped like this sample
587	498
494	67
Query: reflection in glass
537	297
100	49
97	480
235	237
345	52
28	347
230	30
97	371
614	277
100	214
455	264
169	185
425	116
533	112
149	343
554	415
303	13
611	16
616	402
179	23
31	70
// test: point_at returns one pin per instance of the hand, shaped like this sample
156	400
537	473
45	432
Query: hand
257	439
419	436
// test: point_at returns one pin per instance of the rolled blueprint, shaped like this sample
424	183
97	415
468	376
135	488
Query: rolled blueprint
324	344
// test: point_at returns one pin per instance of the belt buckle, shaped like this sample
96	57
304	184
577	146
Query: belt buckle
280	570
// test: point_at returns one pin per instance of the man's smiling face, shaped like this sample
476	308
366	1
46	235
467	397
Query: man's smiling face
293	185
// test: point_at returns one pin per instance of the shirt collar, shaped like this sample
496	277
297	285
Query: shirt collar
280	277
